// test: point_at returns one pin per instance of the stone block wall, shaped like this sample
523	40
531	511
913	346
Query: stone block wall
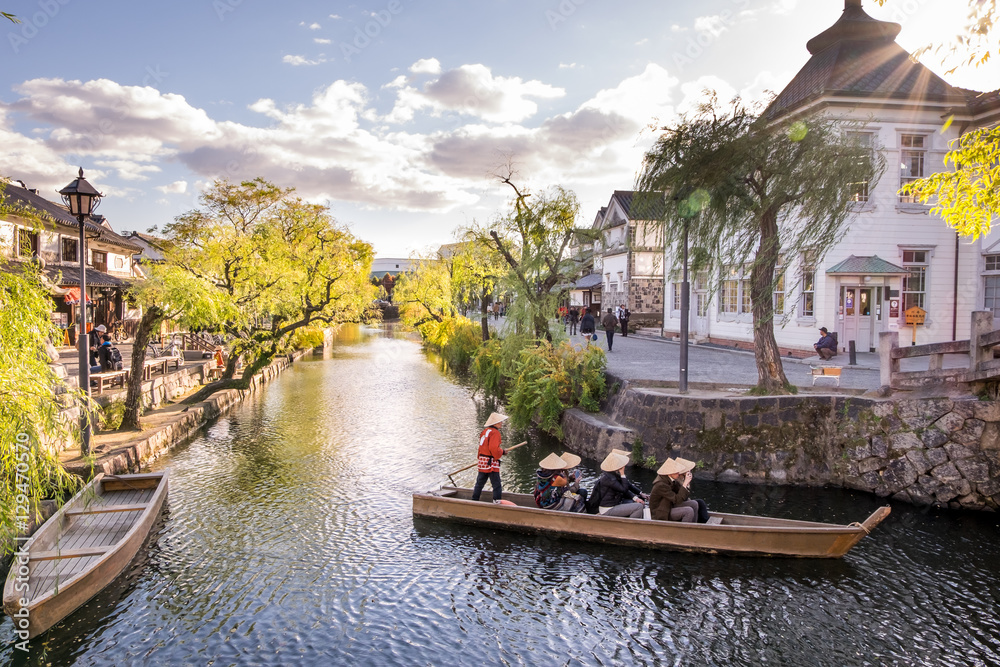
645	299
925	451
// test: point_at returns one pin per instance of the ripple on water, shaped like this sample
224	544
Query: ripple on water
289	539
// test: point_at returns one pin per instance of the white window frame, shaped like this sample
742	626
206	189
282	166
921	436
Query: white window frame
906	156
924	264
994	272
863	193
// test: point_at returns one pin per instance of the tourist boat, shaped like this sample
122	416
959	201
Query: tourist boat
736	534
81	549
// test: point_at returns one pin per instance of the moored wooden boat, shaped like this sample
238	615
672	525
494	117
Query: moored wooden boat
81	549
726	534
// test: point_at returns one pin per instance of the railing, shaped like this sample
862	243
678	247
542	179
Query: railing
981	364
190	341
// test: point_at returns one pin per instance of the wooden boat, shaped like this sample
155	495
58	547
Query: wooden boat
736	534
81	549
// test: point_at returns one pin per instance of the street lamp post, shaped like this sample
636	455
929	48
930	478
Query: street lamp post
682	385
82	198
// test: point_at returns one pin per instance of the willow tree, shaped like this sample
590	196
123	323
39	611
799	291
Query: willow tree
168	293
282	264
534	241
476	271
31	423
750	190
424	293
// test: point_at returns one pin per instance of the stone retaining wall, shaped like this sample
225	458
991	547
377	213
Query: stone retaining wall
155	442
924	451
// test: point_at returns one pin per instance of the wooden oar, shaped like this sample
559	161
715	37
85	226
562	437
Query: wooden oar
520	444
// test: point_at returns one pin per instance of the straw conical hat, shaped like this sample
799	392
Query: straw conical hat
614	461
623	452
675	467
552	462
572	460
495	418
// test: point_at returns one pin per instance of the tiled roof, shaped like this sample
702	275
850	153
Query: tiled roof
639	206
18	196
858	57
70	275
587	282
873	265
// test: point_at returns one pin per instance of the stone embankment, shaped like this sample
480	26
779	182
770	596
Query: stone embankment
167	428
933	451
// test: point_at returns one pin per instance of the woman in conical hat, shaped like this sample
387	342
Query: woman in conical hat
671	498
574	477
618	497
490	452
550	484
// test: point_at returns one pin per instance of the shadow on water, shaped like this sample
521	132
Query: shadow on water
290	540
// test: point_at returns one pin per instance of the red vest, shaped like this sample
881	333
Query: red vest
489	450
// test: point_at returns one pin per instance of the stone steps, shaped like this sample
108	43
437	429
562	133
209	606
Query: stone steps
594	435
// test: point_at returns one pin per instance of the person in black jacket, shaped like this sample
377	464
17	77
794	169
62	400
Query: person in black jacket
587	324
618	496
574	319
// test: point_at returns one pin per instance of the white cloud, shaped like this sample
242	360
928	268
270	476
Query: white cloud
567	65
713	25
321	40
311	26
129	170
426	66
335	17
175	188
471	90
336	146
298	61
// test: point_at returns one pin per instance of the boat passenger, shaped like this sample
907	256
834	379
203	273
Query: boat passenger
490	452
671	497
574	476
617	496
551	483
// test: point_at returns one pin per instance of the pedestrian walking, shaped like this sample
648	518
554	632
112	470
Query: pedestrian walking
574	319
610	322
623	321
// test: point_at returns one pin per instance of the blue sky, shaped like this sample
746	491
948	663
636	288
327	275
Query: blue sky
395	112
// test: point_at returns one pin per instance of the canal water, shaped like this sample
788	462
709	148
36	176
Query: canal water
289	540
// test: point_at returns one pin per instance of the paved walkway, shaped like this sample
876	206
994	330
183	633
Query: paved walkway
646	357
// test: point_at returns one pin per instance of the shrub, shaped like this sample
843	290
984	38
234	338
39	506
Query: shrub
551	379
457	339
110	417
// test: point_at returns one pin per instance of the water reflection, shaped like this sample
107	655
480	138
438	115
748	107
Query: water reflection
289	539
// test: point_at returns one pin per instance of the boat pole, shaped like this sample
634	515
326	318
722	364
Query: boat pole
520	444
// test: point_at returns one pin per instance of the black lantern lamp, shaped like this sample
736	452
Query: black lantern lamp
82	198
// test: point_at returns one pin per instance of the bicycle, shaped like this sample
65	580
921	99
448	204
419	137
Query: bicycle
117	331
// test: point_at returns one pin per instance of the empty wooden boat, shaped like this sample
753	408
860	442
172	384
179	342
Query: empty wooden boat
725	533
81	549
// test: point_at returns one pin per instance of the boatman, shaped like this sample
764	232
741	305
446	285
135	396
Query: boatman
490	452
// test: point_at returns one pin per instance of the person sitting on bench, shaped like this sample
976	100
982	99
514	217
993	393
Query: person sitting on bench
826	346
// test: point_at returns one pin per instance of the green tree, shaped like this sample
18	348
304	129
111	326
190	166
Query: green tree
968	196
282	263
476	271
169	293
534	240
736	177
31	423
424	293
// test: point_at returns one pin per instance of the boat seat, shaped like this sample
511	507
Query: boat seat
714	521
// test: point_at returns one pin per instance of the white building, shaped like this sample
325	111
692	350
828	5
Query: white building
894	254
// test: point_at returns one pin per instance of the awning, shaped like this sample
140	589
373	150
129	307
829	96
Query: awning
872	265
72	296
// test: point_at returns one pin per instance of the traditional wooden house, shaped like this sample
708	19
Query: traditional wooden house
895	255
629	258
34	228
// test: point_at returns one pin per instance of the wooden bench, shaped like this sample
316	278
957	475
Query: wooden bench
828	372
160	364
108	379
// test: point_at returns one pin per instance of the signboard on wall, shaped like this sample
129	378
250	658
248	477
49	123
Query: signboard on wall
893	307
